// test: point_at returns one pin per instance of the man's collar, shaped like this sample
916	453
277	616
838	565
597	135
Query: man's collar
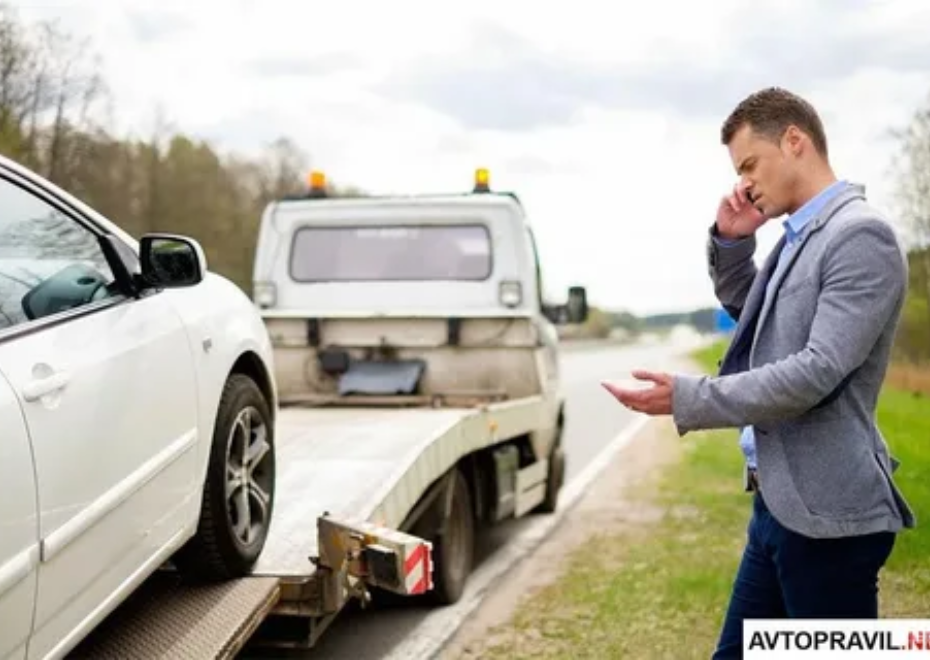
797	221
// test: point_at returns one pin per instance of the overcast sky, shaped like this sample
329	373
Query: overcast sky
603	116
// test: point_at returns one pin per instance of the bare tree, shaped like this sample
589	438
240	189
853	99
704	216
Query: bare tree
76	85
50	90
913	197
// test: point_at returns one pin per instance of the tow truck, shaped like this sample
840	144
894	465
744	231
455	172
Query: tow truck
416	362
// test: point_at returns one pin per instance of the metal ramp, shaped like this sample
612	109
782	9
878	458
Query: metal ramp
166	619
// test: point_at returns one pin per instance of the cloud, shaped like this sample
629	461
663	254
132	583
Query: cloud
830	41
528	163
150	26
506	82
300	67
606	127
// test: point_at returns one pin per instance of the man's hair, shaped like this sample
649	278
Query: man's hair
769	113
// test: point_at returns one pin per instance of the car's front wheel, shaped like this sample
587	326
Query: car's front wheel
238	496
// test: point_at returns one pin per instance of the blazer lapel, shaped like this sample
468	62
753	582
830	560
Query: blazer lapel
781	272
756	297
777	278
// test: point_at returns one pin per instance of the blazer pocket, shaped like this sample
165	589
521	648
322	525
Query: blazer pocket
831	483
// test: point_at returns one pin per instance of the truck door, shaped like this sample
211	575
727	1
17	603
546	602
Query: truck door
19	531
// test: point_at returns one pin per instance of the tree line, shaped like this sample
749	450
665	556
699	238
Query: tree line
56	114
913	197
55	117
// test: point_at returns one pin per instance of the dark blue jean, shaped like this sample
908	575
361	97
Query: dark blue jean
784	574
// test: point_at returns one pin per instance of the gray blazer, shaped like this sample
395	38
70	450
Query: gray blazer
805	368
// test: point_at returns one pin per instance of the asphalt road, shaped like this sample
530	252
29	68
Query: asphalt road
593	419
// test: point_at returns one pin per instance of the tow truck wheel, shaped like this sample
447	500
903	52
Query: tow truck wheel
554	482
453	544
556	477
238	496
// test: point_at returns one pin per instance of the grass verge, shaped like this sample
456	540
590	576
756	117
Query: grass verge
663	594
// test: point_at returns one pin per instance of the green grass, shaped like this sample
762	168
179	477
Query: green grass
662	592
904	420
709	357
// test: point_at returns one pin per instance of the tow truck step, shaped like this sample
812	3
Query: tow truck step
169	619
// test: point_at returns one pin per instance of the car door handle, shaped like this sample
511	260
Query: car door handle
36	389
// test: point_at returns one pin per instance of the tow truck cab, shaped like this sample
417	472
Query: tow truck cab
433	274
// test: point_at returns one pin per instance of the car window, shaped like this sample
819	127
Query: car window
49	262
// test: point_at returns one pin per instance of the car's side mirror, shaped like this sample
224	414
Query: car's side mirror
170	261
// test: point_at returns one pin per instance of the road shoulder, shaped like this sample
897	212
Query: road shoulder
617	504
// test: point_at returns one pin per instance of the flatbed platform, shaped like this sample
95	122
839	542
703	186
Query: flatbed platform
341	461
365	463
369	464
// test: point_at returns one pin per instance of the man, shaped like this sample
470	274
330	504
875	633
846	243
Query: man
801	377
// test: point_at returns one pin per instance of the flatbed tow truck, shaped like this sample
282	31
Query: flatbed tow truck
417	372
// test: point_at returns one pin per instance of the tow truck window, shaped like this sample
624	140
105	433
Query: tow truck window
391	253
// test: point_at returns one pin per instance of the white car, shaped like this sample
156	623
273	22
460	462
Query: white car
137	410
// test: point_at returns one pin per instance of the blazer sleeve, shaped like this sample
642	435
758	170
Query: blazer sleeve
732	269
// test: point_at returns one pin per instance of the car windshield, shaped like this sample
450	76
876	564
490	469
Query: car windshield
395	252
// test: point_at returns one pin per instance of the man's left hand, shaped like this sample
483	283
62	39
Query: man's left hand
656	400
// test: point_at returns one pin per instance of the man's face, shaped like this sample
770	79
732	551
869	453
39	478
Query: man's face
766	170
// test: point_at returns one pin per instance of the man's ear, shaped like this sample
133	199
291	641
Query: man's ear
793	140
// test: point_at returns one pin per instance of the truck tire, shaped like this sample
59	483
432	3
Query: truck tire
238	494
554	481
556	474
453	548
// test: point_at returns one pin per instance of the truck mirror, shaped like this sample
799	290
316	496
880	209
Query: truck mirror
577	307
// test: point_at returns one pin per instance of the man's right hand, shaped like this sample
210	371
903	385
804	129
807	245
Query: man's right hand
737	218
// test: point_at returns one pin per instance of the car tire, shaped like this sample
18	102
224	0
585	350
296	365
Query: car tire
238	494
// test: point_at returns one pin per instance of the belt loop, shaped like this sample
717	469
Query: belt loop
751	479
